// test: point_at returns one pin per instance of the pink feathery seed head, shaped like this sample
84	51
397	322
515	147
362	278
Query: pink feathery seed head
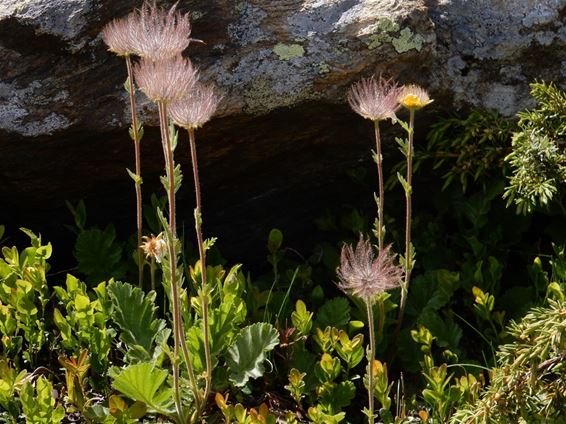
165	80
160	34
196	109
365	274
375	99
119	36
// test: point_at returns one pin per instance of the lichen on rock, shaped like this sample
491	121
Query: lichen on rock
288	51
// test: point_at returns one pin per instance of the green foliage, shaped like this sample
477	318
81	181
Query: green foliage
145	383
238	414
23	298
528	383
135	313
537	158
248	352
82	321
38	404
98	254
227	312
467	150
334	313
117	412
75	377
11	382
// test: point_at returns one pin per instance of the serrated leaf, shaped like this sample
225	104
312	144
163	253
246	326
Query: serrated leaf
246	355
144	383
338	396
98	254
135	313
334	313
448	334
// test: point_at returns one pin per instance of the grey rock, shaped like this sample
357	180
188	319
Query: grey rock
283	67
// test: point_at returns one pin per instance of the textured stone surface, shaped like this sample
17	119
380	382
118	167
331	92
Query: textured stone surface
283	133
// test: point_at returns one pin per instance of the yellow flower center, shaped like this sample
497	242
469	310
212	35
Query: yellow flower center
412	101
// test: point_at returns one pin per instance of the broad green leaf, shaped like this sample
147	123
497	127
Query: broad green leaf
334	313
145	383
38	405
246	355
135	313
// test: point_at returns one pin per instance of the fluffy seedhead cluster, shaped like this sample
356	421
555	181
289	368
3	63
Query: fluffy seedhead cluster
375	99
365	274
165	80
196	108
149	32
118	37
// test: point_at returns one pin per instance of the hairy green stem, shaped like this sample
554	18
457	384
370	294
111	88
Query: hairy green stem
379	161
138	167
408	217
202	256
370	361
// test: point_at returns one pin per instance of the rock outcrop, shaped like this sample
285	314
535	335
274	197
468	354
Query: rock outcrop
283	133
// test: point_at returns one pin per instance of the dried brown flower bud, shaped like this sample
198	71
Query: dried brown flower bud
375	99
414	97
154	247
165	80
194	110
366	275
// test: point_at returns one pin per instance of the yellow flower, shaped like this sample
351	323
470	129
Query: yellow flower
414	97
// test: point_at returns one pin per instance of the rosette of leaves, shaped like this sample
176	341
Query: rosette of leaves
537	159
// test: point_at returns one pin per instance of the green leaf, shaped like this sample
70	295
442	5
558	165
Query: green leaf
145	383
38	405
334	313
79	214
135	313
334	397
137	178
247	353
274	241
408	189
99	255
447	332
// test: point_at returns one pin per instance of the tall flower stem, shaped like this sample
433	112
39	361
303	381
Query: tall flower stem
379	161
408	217
170	169
371	359
136	137
202	256
178	327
